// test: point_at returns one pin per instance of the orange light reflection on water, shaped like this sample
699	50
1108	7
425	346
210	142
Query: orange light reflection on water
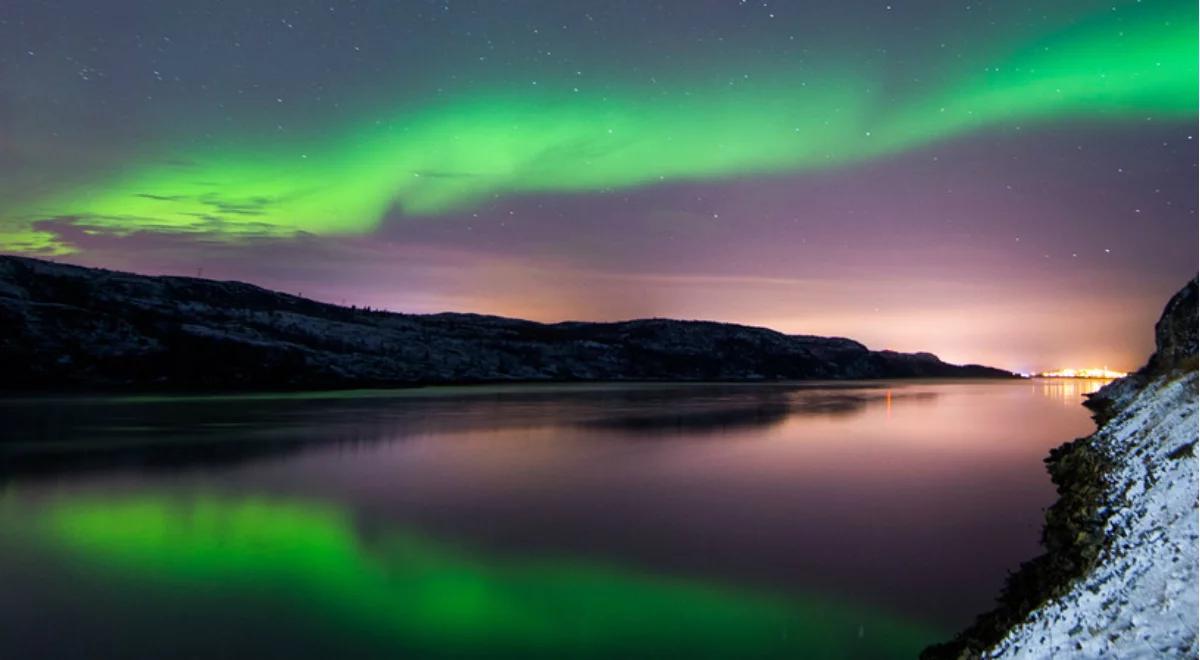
1070	391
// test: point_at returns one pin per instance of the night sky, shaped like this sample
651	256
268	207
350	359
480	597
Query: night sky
1011	183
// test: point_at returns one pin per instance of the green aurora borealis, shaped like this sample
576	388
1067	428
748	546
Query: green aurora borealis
1007	183
400	590
456	152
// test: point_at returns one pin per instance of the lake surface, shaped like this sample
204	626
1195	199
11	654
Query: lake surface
778	520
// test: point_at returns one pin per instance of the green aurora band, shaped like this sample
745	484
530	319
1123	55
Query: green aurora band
400	589
486	143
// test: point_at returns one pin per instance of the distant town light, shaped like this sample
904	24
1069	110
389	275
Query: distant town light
1083	373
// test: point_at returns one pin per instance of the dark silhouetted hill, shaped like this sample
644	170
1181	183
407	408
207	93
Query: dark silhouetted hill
71	327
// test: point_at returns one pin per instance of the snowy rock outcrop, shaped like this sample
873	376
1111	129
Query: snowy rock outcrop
1121	574
1140	599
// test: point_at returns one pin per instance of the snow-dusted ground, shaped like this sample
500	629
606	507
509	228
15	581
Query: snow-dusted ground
1140	601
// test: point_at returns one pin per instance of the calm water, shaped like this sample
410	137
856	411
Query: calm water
861	520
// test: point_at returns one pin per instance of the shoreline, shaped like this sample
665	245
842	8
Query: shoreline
1099	482
1072	535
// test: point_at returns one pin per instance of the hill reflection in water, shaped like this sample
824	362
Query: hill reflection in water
292	524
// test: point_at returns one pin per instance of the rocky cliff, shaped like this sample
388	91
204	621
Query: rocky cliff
66	326
1120	574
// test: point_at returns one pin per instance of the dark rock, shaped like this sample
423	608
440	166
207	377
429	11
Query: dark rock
1175	333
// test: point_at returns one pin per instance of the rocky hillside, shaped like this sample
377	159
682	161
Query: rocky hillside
66	326
1120	575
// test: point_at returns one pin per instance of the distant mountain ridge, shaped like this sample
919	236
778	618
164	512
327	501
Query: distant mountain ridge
67	326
